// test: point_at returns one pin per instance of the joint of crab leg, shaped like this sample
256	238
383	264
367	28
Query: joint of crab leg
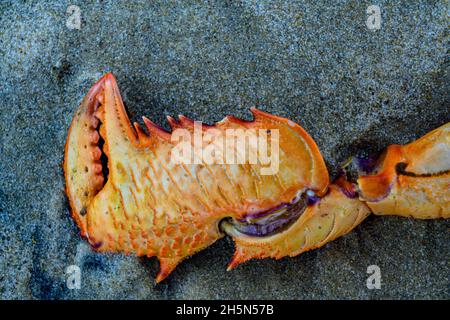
411	180
348	188
378	183
312	197
333	216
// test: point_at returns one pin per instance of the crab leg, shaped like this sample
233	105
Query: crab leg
128	195
411	180
150	206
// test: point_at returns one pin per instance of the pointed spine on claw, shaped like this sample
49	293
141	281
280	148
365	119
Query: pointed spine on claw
127	195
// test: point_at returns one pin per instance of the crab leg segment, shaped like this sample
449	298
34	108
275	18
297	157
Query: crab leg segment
411	180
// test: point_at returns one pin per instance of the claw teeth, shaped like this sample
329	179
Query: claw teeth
96	153
154	128
94	122
101	98
149	124
99	114
98	168
98	180
95	137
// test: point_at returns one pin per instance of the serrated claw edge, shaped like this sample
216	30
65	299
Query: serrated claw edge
127	196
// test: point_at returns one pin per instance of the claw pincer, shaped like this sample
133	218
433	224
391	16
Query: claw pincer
127	194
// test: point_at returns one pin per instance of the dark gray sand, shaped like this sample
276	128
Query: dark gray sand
318	64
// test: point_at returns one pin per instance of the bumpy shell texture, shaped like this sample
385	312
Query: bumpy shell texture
128	195
412	180
150	206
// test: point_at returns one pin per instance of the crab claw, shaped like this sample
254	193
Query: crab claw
127	194
86	146
82	165
316	224
411	180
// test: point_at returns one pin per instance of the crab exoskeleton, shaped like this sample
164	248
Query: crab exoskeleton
128	195
411	180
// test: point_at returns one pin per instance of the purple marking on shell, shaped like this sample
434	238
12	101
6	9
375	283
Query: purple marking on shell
272	221
261	230
384	195
311	197
349	193
365	164
313	200
261	214
96	245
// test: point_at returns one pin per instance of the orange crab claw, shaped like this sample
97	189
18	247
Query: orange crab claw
412	180
83	167
137	200
128	194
